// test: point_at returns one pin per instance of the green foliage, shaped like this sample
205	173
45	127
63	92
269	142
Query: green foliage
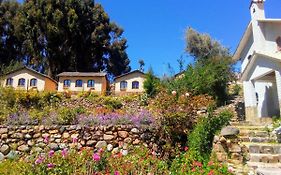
112	103
208	78
66	115
61	36
201	138
150	84
202	46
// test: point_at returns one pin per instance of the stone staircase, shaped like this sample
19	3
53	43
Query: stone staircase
264	153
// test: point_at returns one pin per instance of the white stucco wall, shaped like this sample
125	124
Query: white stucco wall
271	32
97	88
130	78
248	50
27	75
267	99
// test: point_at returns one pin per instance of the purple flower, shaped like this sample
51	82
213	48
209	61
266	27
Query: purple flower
64	152
96	157
39	160
51	153
50	165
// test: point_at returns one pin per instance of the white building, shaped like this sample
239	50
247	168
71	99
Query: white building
260	53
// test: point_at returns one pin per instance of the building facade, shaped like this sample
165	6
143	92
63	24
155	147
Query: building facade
25	78
260	54
131	82
82	81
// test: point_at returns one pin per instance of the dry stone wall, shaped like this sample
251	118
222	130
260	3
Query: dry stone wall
34	139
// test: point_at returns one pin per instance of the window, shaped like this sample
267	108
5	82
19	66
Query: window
66	83
123	85
33	82
135	85
9	82
78	83
21	82
278	42
91	83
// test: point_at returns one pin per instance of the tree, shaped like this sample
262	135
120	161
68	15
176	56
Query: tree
10	45
141	64
181	63
150	83
202	46
73	35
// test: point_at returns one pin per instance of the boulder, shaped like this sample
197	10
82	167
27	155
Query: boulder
229	131
24	148
101	144
108	137
123	134
3	130
5	149
53	146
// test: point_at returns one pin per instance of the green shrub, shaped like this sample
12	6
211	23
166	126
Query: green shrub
66	115
112	103
150	84
201	138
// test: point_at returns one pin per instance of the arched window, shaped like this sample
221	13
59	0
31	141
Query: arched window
78	83
278	42
123	85
66	83
21	82
33	82
91	83
9	82
135	85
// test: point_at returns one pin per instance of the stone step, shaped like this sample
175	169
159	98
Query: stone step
253	133
265	158
256	165
251	127
263	148
268	171
257	139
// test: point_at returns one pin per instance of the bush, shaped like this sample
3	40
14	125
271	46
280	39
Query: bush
66	116
112	103
201	138
150	84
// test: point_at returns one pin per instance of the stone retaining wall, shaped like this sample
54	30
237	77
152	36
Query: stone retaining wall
33	139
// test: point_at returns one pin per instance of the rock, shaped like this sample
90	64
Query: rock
2	157
101	144
108	137
109	147
30	143
66	135
57	136
4	136
24	148
136	142
74	136
91	143
18	135
115	150
123	134
124	152
229	131
55	131
27	136
268	171
12	155
37	135
53	146
5	149
128	140
3	130
36	150
146	136
135	131
235	148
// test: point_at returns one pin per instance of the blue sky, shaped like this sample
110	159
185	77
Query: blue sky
155	29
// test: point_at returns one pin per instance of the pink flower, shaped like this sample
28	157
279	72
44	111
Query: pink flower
51	153
74	140
210	163
116	173
211	172
64	152
50	165
186	148
39	160
96	157
46	139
